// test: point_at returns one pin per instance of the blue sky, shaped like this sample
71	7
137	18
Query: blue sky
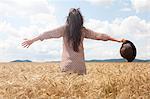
21	19
98	11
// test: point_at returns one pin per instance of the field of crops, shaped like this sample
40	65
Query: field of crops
103	81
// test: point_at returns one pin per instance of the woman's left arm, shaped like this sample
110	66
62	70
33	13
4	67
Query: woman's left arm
105	37
90	34
56	33
116	40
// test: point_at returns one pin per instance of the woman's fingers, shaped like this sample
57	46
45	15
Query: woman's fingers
25	44
25	39
28	46
123	40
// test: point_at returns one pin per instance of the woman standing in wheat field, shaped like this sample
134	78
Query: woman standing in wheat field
73	33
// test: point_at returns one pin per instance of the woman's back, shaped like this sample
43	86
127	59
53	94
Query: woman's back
73	61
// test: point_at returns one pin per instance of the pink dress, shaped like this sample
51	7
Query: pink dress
73	61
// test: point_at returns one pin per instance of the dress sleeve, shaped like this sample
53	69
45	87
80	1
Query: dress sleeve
89	34
55	33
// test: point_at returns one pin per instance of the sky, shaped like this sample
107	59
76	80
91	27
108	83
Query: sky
19	19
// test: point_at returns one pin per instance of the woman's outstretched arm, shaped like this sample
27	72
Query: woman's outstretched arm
116	40
28	42
55	33
105	37
99	36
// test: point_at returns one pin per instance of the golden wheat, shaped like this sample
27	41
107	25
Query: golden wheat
103	81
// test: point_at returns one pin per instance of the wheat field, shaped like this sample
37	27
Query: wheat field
102	81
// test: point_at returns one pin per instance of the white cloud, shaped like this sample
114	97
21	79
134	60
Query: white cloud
11	39
6	28
141	5
119	26
33	12
39	16
132	25
100	26
24	7
126	9
101	2
133	28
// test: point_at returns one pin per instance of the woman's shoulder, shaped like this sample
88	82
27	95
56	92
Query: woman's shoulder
86	31
61	28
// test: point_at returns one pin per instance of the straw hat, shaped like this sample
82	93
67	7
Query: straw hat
128	51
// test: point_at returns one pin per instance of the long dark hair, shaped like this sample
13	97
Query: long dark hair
73	28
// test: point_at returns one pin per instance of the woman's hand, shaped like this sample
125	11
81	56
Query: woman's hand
117	40
123	40
27	43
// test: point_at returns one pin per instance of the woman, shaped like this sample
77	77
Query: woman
73	33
